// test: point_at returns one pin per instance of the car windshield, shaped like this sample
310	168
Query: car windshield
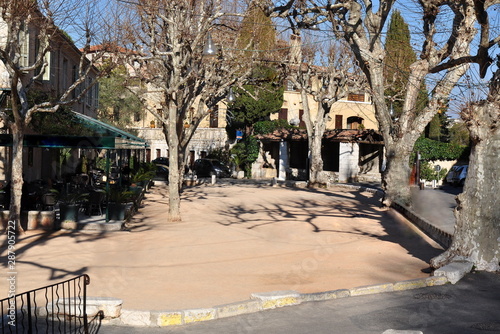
217	164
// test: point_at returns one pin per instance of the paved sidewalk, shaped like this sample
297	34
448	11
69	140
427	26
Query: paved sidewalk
234	240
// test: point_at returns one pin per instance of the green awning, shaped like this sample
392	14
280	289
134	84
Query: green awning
123	139
104	136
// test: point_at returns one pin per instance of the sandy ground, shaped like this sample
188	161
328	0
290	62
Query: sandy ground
234	240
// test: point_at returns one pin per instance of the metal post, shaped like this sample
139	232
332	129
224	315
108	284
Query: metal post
107	185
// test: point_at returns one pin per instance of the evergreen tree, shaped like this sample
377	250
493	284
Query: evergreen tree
256	101
437	129
258	34
117	104
400	56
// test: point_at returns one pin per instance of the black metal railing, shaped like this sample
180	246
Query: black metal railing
56	308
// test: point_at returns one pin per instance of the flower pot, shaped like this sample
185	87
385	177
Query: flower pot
116	211
69	212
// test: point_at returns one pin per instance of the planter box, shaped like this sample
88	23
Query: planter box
41	220
69	212
116	211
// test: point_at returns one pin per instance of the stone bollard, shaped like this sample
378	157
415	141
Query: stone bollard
213	179
274	182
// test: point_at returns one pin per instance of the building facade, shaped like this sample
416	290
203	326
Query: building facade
61	71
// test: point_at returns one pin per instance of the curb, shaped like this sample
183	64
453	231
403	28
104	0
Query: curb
257	302
438	235
441	237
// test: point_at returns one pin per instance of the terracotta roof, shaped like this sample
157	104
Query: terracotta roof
339	135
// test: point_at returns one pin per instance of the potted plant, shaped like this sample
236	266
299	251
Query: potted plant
118	202
143	176
70	205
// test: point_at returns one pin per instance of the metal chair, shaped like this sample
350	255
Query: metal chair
96	200
49	201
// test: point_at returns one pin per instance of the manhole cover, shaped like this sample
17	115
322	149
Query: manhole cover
487	326
432	296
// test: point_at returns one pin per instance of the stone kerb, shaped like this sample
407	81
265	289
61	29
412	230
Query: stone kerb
440	236
260	302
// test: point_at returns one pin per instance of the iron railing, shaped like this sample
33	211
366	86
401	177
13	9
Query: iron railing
56	308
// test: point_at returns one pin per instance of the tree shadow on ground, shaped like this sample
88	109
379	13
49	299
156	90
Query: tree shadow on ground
334	206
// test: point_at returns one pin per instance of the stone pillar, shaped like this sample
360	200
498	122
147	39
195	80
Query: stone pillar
348	162
283	163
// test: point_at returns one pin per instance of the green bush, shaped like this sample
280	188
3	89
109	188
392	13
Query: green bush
428	173
265	127
435	150
245	153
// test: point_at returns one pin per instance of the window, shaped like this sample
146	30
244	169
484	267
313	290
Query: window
357	97
74	74
302	124
25	46
158	152
48	68
354	122
159	122
64	74
283	114
96	95
290	86
338	121
214	117
89	96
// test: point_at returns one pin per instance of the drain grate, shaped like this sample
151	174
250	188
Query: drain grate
432	296
487	326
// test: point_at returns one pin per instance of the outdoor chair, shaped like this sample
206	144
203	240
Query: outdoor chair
49	201
95	203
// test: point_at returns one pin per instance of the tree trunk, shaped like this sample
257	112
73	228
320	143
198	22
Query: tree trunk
477	230
174	199
315	160
16	177
396	175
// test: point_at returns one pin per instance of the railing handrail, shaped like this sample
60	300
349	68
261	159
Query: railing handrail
30	312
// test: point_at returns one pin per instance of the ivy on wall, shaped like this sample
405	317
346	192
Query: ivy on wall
436	150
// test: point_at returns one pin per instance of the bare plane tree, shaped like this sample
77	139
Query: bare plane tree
361	24
477	233
322	84
447	59
23	66
170	39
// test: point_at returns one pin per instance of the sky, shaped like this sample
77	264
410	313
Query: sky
470	87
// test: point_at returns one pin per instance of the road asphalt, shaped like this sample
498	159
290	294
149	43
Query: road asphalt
470	306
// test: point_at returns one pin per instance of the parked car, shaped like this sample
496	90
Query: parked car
451	174
161	172
209	167
460	175
161	161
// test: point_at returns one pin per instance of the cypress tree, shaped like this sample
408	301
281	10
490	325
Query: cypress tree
400	56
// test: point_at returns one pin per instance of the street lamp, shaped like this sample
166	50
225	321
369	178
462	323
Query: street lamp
230	95
210	49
